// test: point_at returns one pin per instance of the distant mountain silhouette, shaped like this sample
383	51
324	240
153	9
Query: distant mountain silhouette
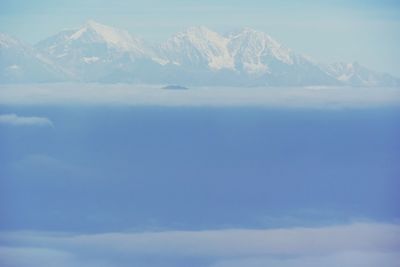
196	56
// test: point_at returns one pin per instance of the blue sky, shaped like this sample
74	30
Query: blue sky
364	31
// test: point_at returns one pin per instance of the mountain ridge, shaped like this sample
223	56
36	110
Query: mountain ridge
195	56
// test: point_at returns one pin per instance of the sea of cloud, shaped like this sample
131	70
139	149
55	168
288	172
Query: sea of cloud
136	95
15	120
350	245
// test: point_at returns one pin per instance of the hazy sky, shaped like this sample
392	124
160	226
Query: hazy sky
365	31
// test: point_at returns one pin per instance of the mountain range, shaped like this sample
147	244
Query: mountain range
196	56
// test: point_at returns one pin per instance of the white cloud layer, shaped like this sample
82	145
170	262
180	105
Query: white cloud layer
13	119
358	244
119	94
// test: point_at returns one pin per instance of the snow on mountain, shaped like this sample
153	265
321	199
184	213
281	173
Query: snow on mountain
245	57
247	50
95	50
265	61
19	62
7	42
196	56
199	47
253	50
356	75
93	33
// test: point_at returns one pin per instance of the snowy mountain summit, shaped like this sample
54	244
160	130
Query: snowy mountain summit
198	47
196	56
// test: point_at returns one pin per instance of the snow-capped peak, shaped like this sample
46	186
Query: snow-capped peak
251	44
106	32
99	52
357	75
194	33
6	41
342	71
199	45
95	32
246	50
